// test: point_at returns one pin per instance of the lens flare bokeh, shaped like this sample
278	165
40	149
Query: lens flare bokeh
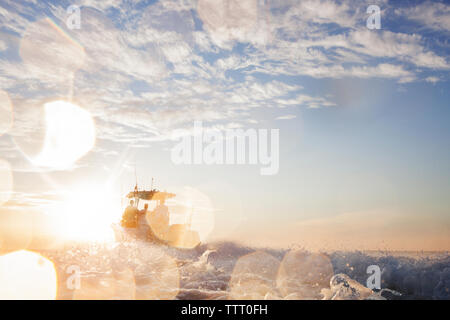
27	275
191	219
70	134
303	275
254	277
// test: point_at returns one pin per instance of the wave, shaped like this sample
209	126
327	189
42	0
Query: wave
229	270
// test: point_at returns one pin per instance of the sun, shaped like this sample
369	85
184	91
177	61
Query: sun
87	213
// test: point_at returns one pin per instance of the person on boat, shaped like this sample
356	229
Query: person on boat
142	223
143	212
130	216
162	211
159	220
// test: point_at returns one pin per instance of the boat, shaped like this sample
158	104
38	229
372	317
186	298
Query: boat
175	235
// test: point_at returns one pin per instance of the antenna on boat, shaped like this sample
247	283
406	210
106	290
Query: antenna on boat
151	188
190	218
136	189
135	176
190	212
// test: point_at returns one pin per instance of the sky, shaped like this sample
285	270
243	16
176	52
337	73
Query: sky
362	114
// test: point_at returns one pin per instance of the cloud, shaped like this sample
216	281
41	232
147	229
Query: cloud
388	44
231	21
3	45
322	12
430	14
349	54
383	70
432	80
143	72
305	100
286	117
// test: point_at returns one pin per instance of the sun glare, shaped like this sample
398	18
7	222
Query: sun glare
86	214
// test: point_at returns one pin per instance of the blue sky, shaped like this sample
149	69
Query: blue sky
362	113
